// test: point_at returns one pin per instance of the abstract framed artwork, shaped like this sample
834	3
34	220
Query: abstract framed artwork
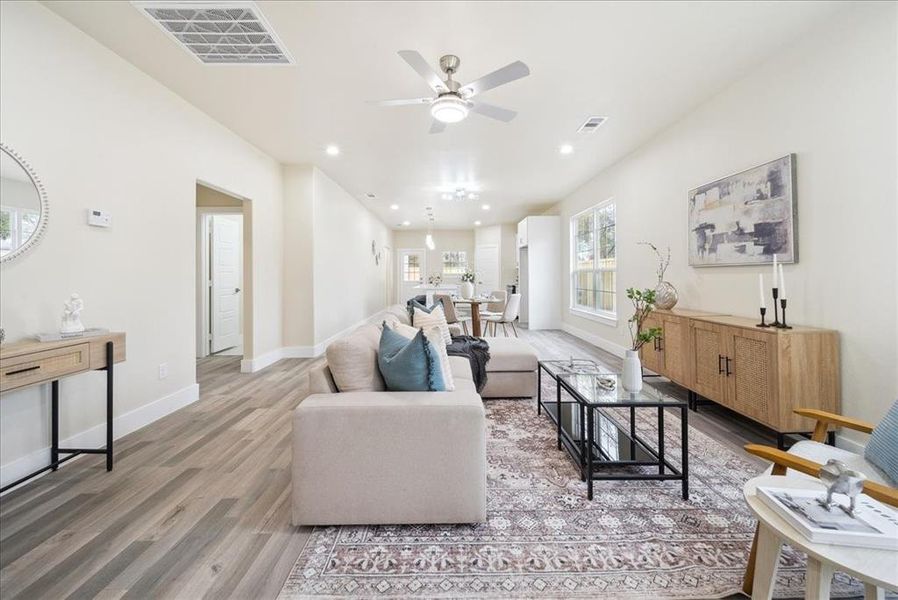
745	218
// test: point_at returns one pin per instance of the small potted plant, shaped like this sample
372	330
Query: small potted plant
466	289
643	304
435	280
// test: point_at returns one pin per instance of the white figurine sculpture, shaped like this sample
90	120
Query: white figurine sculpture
71	316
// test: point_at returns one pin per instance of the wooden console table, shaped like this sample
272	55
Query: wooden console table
28	363
760	373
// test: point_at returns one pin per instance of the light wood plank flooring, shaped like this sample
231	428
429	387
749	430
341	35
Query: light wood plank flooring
198	505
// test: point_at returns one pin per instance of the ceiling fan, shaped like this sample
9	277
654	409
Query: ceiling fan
453	100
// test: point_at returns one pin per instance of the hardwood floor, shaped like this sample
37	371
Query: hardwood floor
198	505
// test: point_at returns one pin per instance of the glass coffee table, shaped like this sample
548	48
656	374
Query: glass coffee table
596	424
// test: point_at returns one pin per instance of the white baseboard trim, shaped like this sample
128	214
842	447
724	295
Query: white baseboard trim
595	340
846	443
95	437
253	365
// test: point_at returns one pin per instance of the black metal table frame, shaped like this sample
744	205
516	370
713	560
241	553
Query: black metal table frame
55	450
583	450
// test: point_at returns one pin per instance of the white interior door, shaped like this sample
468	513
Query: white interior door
225	258
411	268
487	267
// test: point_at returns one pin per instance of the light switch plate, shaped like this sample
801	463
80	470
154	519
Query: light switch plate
98	218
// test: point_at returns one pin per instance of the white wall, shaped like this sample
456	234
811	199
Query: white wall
444	240
349	286
299	302
102	134
830	99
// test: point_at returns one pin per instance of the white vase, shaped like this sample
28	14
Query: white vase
466	289
631	379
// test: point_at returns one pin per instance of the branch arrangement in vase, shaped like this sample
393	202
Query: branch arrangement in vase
663	261
643	304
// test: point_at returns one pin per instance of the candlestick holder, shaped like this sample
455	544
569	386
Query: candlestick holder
763	314
776	314
783	324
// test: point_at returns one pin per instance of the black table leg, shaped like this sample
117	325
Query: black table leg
583	473
110	361
589	427
632	431
660	440
54	423
558	414
684	441
539	389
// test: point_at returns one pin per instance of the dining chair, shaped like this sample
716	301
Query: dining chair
497	307
449	310
508	316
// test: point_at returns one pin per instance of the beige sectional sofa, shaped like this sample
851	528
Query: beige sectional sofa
372	456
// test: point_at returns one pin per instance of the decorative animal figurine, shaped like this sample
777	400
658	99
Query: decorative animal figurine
839	479
71	316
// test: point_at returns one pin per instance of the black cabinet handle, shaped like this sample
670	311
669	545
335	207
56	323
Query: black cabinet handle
25	370
720	364
728	366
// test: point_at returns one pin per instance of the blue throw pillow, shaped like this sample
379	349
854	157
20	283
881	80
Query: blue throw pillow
882	449
409	365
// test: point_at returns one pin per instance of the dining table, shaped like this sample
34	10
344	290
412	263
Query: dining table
475	311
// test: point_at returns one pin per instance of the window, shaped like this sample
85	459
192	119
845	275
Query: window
411	267
593	261
455	262
16	226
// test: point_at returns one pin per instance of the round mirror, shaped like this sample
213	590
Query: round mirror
23	205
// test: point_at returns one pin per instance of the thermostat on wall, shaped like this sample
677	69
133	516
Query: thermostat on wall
98	218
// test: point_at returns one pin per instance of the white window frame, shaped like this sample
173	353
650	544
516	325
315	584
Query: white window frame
608	317
463	266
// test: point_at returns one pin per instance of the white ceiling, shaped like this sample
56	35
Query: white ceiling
641	64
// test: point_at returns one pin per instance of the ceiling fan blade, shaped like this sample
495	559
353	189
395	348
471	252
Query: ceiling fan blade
401	101
493	112
417	62
506	74
437	127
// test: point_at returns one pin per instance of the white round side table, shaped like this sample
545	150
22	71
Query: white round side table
878	569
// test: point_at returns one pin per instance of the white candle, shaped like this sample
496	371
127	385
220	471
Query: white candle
782	283
774	271
761	289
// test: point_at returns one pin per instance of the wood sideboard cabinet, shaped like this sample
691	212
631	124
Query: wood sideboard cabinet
760	373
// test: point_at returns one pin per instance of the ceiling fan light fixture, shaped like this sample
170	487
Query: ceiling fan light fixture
449	109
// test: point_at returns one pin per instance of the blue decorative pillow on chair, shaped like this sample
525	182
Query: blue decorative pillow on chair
882	449
409	365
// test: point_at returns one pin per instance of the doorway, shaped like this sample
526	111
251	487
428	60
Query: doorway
411	265
221	294
486	259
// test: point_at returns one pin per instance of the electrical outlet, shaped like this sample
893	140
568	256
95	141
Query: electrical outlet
163	370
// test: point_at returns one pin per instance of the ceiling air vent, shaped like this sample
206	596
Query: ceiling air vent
591	124
219	33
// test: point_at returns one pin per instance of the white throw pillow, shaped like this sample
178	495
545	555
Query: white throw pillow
435	337
423	320
352	361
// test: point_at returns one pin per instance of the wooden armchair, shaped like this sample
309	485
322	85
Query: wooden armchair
783	460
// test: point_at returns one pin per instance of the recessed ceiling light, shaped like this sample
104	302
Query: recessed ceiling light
332	150
485	207
566	149
406	223
394	207
477	223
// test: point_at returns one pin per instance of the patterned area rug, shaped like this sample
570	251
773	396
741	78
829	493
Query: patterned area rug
543	538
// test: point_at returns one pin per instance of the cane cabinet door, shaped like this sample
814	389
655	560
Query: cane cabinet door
652	355
675	349
709	350
751	373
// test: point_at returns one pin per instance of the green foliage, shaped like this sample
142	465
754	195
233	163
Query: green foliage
469	276
5	229
643	304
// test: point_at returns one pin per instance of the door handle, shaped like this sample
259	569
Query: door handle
720	369
728	366
236	290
